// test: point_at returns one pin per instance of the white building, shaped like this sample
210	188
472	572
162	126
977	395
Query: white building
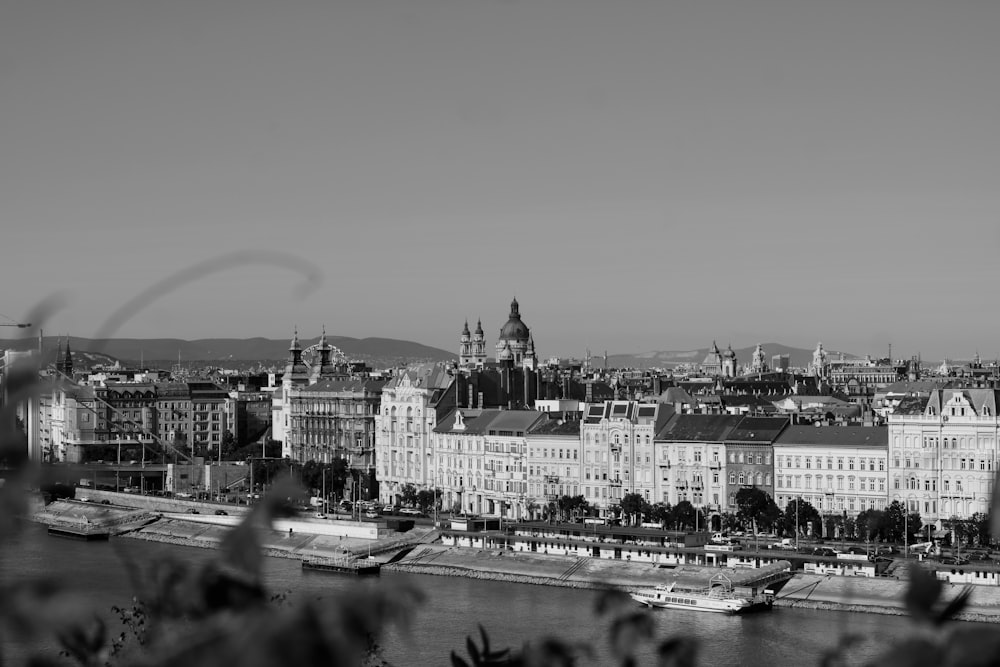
618	451
943	453
404	428
691	459
555	462
480	460
837	469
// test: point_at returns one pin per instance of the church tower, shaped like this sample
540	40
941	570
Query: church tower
64	363
479	344
465	347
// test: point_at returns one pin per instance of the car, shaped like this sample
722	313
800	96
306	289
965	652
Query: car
105	502
320	515
409	511
221	513
371	514
182	494
193	511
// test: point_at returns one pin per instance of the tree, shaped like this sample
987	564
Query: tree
756	509
661	513
228	446
873	525
408	494
631	506
531	507
895	521
800	514
568	505
979	525
684	515
427	500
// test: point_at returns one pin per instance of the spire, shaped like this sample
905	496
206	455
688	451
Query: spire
514	312
465	329
479	327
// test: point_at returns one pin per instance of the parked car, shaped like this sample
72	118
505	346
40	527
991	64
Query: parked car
221	513
371	514
193	511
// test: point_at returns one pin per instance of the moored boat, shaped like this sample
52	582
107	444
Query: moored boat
718	598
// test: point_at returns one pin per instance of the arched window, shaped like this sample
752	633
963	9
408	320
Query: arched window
743	479
760	479
732	478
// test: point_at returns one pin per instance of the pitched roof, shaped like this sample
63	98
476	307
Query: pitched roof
349	384
836	436
757	429
569	427
710	428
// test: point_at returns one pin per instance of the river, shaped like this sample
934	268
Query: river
454	606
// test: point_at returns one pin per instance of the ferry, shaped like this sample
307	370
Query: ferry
717	599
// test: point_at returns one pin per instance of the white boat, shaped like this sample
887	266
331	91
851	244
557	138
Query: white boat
718	598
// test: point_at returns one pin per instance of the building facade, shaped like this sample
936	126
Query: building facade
480	460
618	452
555	463
749	456
943	452
837	469
691	458
404	428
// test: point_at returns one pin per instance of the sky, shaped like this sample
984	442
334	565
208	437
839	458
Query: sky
641	175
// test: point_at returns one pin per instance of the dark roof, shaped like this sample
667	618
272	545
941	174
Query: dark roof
837	436
712	428
911	405
349	384
757	429
569	427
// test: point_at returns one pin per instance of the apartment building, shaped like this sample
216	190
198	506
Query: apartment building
555	462
480	460
837	469
618	451
749	455
410	405
691	460
943	452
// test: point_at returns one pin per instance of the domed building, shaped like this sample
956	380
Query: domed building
515	336
515	345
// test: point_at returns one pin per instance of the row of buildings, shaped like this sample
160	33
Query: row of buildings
506	436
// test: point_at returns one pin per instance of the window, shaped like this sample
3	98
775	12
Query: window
743	478
732	478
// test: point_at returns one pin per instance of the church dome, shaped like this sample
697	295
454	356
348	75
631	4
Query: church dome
514	329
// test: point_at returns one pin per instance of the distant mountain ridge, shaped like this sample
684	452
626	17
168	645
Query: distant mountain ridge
152	350
797	357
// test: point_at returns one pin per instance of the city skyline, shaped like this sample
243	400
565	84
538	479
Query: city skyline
647	176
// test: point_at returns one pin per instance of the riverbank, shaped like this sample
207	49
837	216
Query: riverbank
805	591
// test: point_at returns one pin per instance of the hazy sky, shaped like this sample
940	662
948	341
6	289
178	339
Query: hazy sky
641	175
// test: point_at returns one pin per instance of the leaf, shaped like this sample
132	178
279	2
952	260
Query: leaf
955	605
470	646
679	651
922	594
457	661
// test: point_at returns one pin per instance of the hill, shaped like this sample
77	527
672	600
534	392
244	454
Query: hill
165	351
798	357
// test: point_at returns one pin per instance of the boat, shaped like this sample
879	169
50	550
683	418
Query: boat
718	598
344	565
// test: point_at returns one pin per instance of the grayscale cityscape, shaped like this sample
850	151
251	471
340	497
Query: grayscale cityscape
422	332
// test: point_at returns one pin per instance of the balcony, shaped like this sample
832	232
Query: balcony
715	465
551	479
614	482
